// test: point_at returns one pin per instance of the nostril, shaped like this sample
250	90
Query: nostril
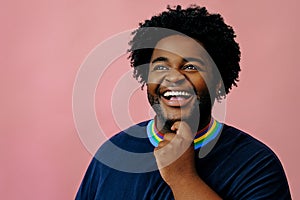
174	76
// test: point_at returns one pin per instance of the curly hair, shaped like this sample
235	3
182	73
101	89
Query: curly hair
209	29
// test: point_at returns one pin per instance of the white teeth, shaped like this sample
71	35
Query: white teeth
176	93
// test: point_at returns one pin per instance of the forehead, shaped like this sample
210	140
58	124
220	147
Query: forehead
182	46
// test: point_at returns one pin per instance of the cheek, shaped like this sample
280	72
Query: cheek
155	78
152	88
202	82
198	82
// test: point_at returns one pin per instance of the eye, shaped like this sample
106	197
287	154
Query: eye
160	67
191	67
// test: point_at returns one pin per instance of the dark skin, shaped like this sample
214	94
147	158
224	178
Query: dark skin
179	77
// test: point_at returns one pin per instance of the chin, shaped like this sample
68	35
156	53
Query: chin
190	116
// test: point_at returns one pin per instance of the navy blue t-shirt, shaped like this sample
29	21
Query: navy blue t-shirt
238	167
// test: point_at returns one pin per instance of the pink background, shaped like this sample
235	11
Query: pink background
43	44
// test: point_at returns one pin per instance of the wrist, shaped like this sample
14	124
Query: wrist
191	188
184	180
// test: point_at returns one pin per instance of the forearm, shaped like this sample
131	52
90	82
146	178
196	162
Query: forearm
193	187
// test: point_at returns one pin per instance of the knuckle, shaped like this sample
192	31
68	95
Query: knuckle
168	136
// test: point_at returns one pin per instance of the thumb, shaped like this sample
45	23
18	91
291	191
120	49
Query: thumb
183	130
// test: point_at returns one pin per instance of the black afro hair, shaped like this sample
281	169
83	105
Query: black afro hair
210	29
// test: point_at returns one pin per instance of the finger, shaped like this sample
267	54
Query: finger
169	136
162	151
173	139
183	130
162	144
175	126
179	125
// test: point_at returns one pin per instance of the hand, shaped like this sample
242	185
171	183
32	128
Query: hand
175	154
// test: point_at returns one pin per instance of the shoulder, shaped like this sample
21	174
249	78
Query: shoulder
242	148
238	142
128	151
116	162
238	147
133	139
252	168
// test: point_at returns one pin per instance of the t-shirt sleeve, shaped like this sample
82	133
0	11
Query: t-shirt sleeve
261	177
89	184
242	168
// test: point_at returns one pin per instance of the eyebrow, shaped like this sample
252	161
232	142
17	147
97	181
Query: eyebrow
159	59
188	59
192	59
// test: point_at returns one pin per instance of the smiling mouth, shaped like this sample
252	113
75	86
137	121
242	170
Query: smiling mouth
176	98
176	95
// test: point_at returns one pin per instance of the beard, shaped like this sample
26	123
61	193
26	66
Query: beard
198	114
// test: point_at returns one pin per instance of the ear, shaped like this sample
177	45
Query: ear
220	91
218	88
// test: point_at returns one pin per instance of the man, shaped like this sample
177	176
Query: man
187	58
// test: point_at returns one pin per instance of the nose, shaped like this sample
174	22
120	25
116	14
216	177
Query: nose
174	76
